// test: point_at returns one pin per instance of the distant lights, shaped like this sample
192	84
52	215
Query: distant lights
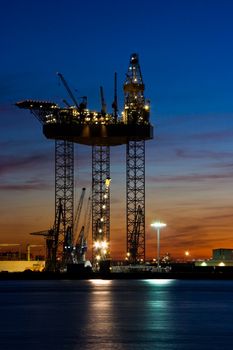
107	182
127	256
101	245
96	245
104	244
158	224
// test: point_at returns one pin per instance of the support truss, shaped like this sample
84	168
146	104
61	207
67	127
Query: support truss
64	197
100	202
135	188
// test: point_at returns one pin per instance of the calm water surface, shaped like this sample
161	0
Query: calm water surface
118	314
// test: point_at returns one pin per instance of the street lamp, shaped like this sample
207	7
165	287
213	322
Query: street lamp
158	225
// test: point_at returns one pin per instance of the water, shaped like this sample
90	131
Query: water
118	314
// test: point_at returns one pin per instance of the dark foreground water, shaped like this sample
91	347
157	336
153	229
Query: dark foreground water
117	314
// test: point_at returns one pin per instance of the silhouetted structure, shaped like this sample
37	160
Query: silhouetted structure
101	130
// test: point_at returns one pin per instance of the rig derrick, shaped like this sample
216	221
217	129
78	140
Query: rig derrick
136	114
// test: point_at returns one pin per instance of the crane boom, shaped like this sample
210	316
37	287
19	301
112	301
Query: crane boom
68	89
40	233
103	104
115	103
87	219
77	215
81	244
135	236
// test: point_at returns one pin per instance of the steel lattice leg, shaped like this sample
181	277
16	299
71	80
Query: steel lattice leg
64	196
135	188
100	201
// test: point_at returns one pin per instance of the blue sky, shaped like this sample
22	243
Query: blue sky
186	54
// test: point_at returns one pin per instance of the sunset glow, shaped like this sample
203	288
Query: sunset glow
187	69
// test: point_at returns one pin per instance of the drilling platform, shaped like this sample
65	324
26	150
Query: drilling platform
76	124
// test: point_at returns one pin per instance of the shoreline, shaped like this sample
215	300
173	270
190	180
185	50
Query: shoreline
218	275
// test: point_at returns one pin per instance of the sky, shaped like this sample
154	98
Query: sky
185	50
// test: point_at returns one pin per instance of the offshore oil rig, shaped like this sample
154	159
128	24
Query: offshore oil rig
77	124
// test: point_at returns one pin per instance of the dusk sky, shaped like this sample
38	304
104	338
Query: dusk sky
185	49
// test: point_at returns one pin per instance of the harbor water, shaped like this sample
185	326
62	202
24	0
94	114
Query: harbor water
116	314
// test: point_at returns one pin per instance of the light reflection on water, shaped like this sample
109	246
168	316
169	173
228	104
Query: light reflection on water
99	282
117	314
159	282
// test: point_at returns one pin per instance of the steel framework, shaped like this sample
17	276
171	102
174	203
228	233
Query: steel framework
77	124
135	197
64	197
136	112
100	202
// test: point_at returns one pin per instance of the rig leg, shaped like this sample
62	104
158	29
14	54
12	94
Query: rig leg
100	203
135	192
64	197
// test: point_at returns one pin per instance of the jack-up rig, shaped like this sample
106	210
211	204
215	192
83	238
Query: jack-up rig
100	130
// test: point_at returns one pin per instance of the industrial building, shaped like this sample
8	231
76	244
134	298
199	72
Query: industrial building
21	265
220	257
17	261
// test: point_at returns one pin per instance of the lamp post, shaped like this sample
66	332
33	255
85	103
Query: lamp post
158	225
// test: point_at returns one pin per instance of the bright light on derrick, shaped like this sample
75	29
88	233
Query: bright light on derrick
97	245
104	244
100	245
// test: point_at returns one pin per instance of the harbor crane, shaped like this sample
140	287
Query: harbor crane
81	244
53	245
77	215
134	241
